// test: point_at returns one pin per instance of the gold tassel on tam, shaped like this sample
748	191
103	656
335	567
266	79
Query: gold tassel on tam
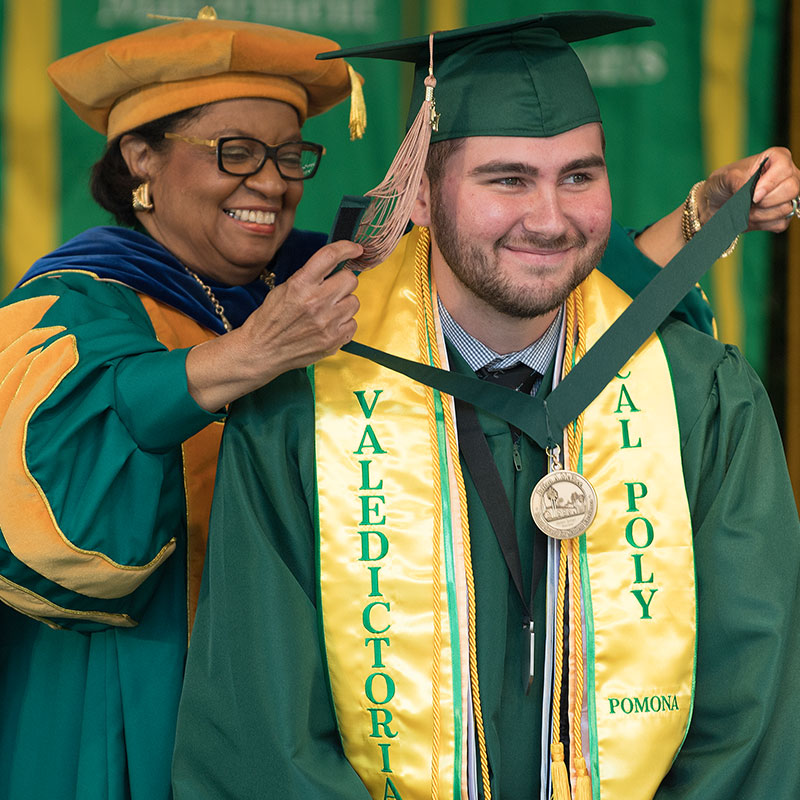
386	217
358	108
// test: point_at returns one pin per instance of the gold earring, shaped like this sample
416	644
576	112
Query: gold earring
141	197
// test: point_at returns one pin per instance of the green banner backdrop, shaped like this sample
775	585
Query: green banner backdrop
678	99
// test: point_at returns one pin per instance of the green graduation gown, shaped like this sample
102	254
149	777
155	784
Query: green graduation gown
256	717
89	708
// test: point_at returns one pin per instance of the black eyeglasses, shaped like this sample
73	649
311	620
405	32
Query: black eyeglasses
242	155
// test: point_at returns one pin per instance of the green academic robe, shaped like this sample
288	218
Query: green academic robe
256	716
90	673
106	471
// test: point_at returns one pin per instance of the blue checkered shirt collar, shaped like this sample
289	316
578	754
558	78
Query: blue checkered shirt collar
536	355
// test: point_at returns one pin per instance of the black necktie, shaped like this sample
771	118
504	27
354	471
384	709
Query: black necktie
520	377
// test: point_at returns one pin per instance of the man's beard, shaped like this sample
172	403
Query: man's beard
484	279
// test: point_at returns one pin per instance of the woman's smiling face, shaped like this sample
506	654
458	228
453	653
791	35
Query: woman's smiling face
225	227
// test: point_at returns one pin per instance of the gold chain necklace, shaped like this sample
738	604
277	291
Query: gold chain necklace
266	277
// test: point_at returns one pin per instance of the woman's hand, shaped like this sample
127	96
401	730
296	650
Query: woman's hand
772	199
301	321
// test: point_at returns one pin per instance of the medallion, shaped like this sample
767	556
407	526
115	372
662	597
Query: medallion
563	504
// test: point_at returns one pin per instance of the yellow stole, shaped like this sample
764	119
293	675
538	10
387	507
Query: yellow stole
637	568
393	590
396	588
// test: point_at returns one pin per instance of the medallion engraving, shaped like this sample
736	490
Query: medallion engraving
563	504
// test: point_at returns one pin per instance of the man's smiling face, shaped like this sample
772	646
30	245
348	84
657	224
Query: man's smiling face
520	222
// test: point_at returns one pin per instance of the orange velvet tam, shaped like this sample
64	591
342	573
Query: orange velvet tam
118	85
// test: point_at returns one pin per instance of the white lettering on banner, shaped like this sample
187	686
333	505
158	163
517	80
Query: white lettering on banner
326	15
624	64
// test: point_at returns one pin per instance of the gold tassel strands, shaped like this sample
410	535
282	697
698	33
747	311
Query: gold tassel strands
358	108
559	772
583	783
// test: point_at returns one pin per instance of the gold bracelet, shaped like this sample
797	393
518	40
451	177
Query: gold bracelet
690	220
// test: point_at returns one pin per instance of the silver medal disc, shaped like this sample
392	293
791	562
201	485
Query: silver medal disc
563	504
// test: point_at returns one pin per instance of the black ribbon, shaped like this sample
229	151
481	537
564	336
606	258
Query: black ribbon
488	484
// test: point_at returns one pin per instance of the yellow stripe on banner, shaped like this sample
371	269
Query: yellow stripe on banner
723	95
792	429
30	178
444	15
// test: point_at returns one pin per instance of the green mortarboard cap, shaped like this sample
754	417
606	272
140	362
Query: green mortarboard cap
514	78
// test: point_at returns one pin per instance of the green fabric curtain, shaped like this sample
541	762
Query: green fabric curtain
677	100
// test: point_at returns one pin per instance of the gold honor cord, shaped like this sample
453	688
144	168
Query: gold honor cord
583	786
424	338
576	338
424	300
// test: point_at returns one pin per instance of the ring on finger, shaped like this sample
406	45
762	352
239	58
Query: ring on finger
795	212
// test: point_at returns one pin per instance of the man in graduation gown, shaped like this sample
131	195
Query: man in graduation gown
378	620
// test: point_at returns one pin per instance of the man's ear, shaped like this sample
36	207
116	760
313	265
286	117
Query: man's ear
421	213
138	156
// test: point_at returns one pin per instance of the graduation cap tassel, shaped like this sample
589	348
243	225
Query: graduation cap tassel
386	217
